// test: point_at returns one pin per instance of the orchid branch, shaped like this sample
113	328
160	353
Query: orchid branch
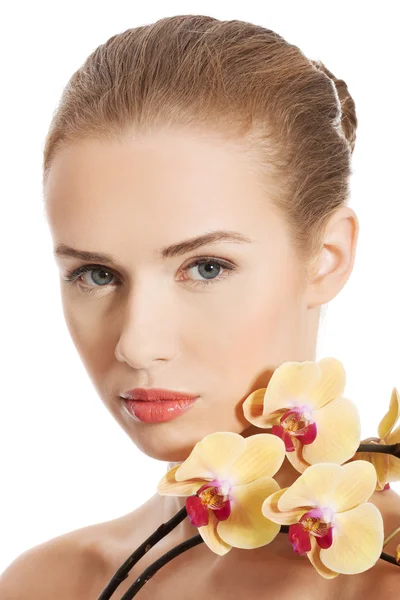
160	562
164	559
391	535
123	571
179	549
393	449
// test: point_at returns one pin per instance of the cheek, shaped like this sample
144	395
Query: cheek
73	322
261	318
88	335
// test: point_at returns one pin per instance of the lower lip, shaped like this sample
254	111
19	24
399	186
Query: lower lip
158	412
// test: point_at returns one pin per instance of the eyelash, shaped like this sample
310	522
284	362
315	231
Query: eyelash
73	275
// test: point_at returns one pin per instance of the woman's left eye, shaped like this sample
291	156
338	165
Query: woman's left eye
104	273
216	264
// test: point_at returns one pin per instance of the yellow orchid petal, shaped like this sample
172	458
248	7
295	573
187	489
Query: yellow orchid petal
338	433
271	511
393	473
211	537
296	457
263	455
246	526
289	386
328	484
253	408
367	456
315	558
394	436
212	456
357	540
392	415
313	488
381	464
331	382
168	486
355	485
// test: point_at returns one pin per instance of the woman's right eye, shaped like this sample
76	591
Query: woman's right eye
74	275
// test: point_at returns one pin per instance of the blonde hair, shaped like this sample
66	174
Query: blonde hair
240	80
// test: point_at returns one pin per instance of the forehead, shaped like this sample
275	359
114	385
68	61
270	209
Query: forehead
179	182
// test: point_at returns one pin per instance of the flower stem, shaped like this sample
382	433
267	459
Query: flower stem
391	536
393	449
389	558
160	562
131	561
190	543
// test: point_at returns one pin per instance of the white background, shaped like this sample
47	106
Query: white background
65	463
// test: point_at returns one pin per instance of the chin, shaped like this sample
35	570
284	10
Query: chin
174	449
173	442
172	455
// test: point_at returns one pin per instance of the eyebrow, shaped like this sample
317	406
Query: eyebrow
172	251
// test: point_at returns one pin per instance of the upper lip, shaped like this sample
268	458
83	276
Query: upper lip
154	394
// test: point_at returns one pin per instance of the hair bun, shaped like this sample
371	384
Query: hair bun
349	119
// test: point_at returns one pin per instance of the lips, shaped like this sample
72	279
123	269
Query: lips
158	411
156	395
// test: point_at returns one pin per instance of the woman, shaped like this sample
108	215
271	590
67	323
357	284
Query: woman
196	176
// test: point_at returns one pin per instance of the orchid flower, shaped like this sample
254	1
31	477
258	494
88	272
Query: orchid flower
387	466
227	478
329	517
304	406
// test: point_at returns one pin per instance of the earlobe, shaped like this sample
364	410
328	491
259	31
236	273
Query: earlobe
335	262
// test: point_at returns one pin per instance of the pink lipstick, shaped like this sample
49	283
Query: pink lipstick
157	405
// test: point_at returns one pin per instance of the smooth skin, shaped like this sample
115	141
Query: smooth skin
147	321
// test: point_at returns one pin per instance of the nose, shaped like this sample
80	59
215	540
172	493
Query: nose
149	326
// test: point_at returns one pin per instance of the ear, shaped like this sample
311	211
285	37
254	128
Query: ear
332	267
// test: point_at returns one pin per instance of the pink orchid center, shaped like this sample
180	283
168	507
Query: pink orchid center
297	423
214	496
317	522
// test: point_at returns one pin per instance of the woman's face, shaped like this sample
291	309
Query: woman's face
144	320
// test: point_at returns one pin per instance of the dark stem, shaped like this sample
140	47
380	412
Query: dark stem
165	558
130	562
389	558
160	562
393	449
190	543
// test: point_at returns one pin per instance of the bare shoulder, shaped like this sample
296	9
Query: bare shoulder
65	567
52	569
73	565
